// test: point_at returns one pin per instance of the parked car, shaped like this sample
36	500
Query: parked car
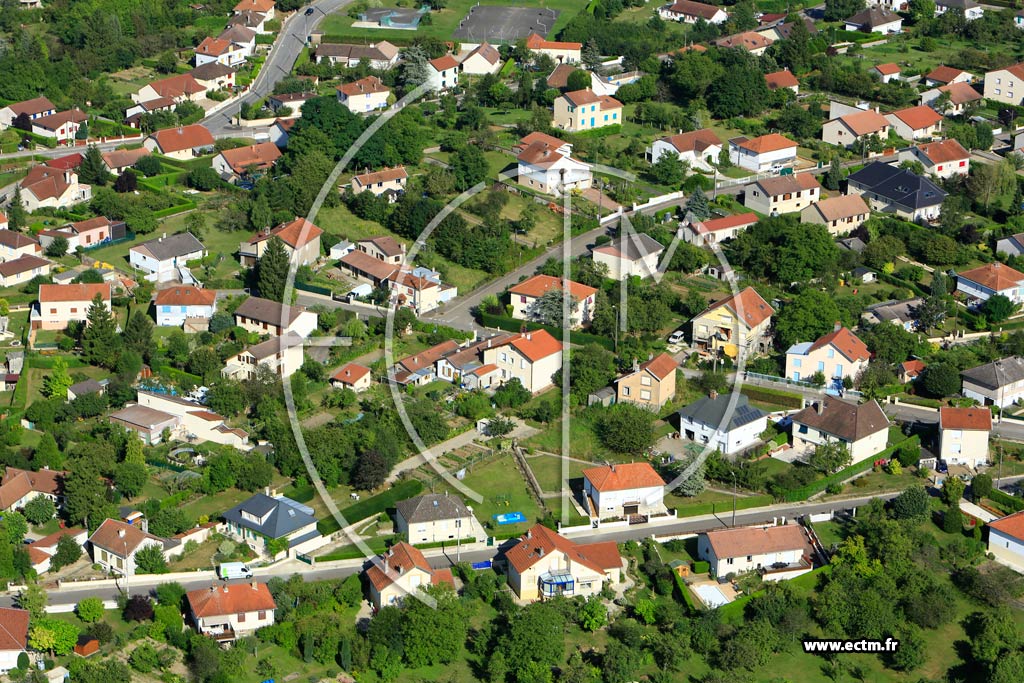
676	337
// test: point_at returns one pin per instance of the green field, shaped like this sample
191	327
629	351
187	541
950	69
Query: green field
548	471
443	23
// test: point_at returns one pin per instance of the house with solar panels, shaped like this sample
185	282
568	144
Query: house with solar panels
711	422
274	527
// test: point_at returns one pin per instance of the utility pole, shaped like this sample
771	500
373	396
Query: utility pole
733	498
127	590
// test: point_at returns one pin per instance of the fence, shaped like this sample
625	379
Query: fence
805	492
305	287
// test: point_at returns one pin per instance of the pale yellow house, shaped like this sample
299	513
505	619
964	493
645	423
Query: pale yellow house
399	572
531	357
352	376
301	242
62	304
840	215
650	385
863	429
228	612
963	435
281	355
1006	85
436	518
1006	540
543	564
735	322
782	194
582	110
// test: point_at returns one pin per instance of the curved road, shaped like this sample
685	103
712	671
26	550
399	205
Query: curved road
283	54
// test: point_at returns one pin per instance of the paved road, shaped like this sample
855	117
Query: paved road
285	50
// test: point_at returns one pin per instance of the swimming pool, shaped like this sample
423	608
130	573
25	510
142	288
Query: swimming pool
711	595
510	518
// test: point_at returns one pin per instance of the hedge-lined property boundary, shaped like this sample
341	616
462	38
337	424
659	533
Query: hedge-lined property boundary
513	325
805	492
372	506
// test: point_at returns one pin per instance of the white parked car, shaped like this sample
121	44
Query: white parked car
676	337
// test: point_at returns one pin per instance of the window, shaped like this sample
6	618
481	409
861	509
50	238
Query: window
53	311
821	366
522	299
831	353
797	362
729	561
839	369
74	310
962	164
166	309
645	395
241	617
625	391
750	558
645	380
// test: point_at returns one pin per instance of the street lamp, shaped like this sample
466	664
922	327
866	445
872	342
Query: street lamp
733	472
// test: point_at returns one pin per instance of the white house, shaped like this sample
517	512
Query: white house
239	162
526	293
623	490
633	254
231	611
219	51
916	123
767	152
875	20
970	9
183	142
716	230
195	422
846	130
301	240
700	148
978	284
1006	540
174	305
689	12
61	304
545	164
163	259
62	126
531	357
442	73
999	383
714	421
282	355
115	545
838	355
35	108
483	59
1012	245
435	518
776	552
365	95
380	56
886	72
261	519
22	269
562	52
942	158
269	317
352	376
959	97
863	429
1006	84
18	487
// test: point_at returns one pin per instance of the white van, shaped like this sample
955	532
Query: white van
234	570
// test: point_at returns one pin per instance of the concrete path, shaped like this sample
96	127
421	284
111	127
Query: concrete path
977	511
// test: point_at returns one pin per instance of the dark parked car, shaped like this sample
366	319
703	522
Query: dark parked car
310	10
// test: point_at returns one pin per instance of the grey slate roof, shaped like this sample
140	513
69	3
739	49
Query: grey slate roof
898	185
267	311
848	421
89	386
172	246
431	507
894	310
711	412
997	373
635	247
285	515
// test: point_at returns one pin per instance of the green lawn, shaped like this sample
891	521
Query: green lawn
548	471
583	442
443	23
503	490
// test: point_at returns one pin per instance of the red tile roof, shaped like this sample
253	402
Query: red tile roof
398	560
350	373
55	121
781	79
755	310
183	137
772	142
960	92
661	366
426	358
944	151
695	9
185	295
846	342
385	175
995	276
1012	525
944	74
918	118
296	234
536	42
728	543
444	63
887	69
865	122
538	285
213	47
74	292
119	158
540	541
536	345
912	368
261	156
623	477
177	86
261	6
22	264
36	105
588	96
726	222
13	629
364	86
238	598
694	141
843	206
109	537
976	419
45	182
748	40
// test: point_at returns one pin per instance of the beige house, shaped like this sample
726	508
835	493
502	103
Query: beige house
400	571
582	110
776	552
49	187
365	95
782	194
352	376
149	423
525	294
1006	85
115	544
264	316
483	59
838	355
231	611
1006	540
635	254
717	230
196	423
531	357
436	518
623	490
301	242
22	269
18	487
841	215
386	181
651	385
61	304
282	355
543	564
183	142
916	123
735	322
561	52
846	130
963	436
863	429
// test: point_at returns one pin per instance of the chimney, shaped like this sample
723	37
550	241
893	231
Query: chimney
213	589
636	365
838	326
226	588
529	336
255	586
529	533
120	533
819	407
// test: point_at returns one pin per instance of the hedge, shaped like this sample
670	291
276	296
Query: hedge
720	506
1006	500
701	567
171	210
920	401
373	506
766	395
684	590
893	280
805	492
351	552
179	376
513	325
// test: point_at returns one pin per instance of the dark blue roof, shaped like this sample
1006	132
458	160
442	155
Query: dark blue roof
898	185
283	515
711	412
